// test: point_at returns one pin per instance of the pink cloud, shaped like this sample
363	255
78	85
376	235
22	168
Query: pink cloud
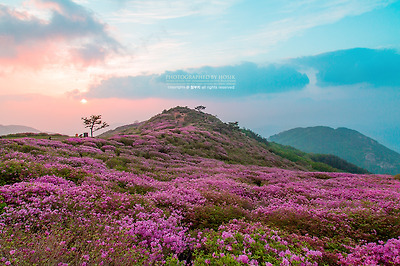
47	5
34	56
72	36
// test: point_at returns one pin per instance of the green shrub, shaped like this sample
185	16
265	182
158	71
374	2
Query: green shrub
15	171
299	223
372	226
72	174
118	163
213	216
2	205
135	189
322	176
127	141
29	149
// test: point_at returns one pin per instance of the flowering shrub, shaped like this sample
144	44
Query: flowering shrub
243	243
140	199
380	253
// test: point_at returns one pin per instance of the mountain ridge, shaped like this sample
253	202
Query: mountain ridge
12	129
346	143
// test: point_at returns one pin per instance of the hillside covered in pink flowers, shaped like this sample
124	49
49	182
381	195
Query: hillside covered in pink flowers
184	188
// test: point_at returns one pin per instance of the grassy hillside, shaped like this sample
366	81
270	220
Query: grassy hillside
35	135
189	132
140	198
345	143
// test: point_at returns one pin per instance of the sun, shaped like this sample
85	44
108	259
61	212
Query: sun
83	101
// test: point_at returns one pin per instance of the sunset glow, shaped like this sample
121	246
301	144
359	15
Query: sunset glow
295	63
198	132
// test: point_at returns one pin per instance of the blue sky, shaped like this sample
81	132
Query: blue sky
296	63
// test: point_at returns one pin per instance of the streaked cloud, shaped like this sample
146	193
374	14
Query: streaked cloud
152	11
295	17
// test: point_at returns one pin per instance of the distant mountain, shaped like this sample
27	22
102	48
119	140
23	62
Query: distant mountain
346	143
318	162
12	129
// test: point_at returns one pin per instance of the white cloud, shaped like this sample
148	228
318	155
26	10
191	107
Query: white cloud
152	11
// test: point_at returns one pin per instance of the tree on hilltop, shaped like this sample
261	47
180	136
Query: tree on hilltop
200	108
94	123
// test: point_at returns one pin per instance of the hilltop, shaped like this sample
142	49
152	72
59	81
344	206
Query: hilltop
185	131
348	144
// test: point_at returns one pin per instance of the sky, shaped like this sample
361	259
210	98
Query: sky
270	65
